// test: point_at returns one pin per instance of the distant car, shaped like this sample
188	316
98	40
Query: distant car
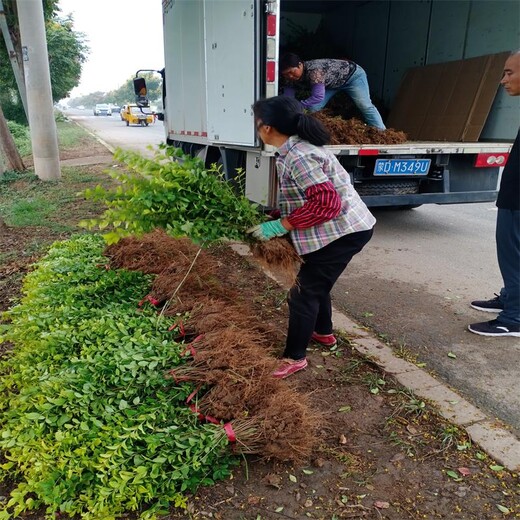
102	109
115	109
134	115
81	107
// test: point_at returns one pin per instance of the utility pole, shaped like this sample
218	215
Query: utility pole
44	137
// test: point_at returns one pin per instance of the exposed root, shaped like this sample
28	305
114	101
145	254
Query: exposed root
230	360
279	256
354	131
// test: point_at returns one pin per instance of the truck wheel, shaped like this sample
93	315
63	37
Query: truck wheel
389	187
127	123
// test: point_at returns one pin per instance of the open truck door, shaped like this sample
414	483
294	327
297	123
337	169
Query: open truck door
231	88
211	77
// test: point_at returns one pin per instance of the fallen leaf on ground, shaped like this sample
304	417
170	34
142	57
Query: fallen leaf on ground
273	480
464	471
381	505
397	457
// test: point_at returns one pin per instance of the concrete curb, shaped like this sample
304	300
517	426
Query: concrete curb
499	443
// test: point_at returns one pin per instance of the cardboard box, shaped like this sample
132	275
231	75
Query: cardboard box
447	101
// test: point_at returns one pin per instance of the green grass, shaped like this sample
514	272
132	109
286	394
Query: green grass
29	212
26	200
69	134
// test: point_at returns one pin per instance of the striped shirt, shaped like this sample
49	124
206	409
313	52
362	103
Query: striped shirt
306	174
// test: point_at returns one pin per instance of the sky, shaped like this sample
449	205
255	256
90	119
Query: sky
123	35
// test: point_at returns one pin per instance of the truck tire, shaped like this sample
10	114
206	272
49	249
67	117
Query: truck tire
388	187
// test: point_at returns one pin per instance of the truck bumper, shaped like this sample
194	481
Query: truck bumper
429	198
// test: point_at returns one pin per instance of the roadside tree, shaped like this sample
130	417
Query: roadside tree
67	52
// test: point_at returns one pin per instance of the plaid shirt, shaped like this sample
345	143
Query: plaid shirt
301	165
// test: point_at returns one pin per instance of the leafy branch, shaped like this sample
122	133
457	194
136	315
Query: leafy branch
174	192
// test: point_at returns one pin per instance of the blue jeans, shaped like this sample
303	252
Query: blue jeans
358	90
508	253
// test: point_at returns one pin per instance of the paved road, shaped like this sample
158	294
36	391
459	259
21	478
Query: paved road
413	284
114	131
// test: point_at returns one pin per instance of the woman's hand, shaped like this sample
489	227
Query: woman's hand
270	229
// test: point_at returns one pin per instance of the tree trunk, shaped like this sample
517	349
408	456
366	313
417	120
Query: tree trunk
8	147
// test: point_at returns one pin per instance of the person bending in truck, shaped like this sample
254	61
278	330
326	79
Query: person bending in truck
326	219
507	303
327	77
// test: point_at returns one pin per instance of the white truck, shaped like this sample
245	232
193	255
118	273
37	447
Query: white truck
222	55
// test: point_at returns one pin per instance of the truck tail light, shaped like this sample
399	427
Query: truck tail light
271	25
368	151
270	71
488	160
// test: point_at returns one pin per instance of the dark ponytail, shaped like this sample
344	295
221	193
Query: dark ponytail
286	115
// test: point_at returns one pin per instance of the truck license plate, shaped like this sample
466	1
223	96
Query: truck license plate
402	166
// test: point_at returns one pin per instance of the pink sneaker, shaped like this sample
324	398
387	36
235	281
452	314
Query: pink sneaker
289	366
327	340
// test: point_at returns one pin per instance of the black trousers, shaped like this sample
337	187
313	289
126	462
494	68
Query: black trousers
310	307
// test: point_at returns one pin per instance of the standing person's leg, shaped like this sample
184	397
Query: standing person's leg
323	325
359	91
508	253
308	297
507	322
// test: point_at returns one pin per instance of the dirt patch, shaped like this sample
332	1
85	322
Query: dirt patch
19	249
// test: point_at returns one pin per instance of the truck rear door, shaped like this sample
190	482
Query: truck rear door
232	69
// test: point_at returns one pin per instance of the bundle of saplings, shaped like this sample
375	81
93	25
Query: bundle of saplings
355	131
228	346
110	405
175	192
90	425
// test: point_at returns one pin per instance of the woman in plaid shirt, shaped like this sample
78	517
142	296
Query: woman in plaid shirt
327	221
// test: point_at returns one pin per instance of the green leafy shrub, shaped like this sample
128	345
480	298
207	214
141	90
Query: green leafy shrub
90	425
21	136
174	192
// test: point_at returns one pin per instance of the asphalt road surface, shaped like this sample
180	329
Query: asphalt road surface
412	284
113	130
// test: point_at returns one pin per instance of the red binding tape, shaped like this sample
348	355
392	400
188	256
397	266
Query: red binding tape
149	298
228	428
191	349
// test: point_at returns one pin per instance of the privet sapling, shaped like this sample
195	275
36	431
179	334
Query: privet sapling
90	425
174	192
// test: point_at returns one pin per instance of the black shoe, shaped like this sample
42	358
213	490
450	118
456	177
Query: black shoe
493	305
495	328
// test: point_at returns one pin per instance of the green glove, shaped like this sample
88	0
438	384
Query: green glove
268	230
